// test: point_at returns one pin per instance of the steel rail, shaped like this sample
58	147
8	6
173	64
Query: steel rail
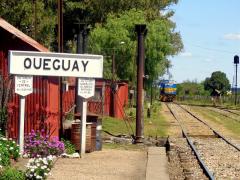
201	162
222	114
227	110
215	132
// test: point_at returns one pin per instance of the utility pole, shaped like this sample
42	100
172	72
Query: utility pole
60	49
82	48
79	51
236	62
141	32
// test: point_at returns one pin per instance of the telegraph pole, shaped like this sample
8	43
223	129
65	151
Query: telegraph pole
141	32
60	49
236	62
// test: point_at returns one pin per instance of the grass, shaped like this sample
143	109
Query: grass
132	147
230	124
156	126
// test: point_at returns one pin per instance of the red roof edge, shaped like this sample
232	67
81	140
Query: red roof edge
11	29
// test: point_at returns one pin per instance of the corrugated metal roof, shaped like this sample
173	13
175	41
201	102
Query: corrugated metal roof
11	29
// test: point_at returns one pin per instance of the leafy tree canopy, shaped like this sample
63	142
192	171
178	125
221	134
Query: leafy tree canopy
218	83
161	42
21	14
191	88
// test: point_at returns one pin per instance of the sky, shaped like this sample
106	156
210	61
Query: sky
210	31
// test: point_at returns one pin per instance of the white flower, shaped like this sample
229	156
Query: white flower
11	148
0	166
31	160
39	177
10	139
45	162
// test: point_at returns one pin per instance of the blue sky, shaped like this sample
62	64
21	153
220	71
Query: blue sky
210	31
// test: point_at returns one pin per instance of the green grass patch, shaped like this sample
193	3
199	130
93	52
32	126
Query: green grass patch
230	124
155	126
117	126
132	147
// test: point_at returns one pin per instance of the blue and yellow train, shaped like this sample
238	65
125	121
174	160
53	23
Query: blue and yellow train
168	90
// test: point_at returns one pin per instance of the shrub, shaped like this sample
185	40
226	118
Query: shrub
39	168
11	174
39	144
69	147
8	149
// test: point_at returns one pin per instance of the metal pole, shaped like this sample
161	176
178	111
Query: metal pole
236	61
83	125
21	124
113	85
141	30
60	49
85	38
79	51
60	26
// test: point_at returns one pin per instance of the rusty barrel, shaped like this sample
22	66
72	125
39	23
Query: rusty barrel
76	138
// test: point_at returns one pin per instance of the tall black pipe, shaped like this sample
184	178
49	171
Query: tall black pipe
141	32
85	39
80	28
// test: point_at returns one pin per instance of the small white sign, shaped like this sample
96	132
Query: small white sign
86	87
23	85
55	64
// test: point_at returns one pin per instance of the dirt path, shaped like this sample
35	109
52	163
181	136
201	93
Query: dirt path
174	128
102	165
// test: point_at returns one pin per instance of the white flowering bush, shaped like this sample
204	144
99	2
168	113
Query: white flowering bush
8	150
39	168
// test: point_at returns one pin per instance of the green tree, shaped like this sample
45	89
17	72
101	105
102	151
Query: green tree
191	88
21	14
218	83
161	41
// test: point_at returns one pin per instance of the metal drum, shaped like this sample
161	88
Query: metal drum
75	136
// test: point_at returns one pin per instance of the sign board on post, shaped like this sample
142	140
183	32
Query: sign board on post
23	87
55	64
86	89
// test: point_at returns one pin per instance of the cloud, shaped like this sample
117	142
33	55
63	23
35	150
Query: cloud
186	54
232	36
208	60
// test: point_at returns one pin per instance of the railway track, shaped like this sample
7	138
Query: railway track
226	113
217	156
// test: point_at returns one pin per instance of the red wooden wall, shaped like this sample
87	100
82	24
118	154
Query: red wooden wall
41	110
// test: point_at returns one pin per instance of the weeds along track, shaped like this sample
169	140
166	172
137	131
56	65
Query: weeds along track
233	115
218	157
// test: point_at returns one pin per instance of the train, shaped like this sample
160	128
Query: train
168	90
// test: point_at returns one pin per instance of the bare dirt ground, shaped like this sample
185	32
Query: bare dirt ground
102	165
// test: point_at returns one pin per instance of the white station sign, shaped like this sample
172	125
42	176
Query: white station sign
55	64
86	87
23	85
